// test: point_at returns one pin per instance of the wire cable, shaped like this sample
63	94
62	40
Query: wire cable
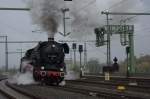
115	5
88	4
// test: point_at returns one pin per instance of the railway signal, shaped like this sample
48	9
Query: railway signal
126	30
74	47
80	51
130	43
100	36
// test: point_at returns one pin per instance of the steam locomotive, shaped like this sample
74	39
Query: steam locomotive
46	61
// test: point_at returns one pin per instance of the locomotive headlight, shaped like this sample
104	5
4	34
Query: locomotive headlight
61	69
53	45
42	67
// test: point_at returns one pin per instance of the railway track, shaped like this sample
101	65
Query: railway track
114	79
102	92
112	85
108	85
75	89
105	93
3	94
10	93
40	92
118	77
50	92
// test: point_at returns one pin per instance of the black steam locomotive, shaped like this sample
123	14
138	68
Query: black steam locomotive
47	60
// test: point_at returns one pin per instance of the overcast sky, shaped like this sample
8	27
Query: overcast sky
18	26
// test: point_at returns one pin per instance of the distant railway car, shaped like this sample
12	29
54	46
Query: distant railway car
47	60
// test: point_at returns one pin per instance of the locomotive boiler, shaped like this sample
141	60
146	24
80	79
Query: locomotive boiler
47	61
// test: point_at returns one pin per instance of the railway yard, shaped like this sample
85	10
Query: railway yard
74	49
85	88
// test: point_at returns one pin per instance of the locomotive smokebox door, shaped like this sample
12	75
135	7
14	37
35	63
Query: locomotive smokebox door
66	48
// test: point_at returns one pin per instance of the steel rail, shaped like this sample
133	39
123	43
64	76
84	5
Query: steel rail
21	91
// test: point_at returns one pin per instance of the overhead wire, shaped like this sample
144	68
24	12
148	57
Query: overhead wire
104	53
11	27
87	5
132	17
115	5
93	1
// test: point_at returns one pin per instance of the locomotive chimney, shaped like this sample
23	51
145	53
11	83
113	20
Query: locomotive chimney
50	39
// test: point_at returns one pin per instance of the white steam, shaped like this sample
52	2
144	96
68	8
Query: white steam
63	83
26	67
23	79
26	77
72	75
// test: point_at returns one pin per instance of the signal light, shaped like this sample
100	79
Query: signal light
100	36
74	46
66	48
127	49
80	48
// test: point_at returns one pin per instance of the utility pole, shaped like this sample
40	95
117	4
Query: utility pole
85	54
74	47
64	10
80	52
128	68
6	52
108	42
71	58
6	48
21	52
